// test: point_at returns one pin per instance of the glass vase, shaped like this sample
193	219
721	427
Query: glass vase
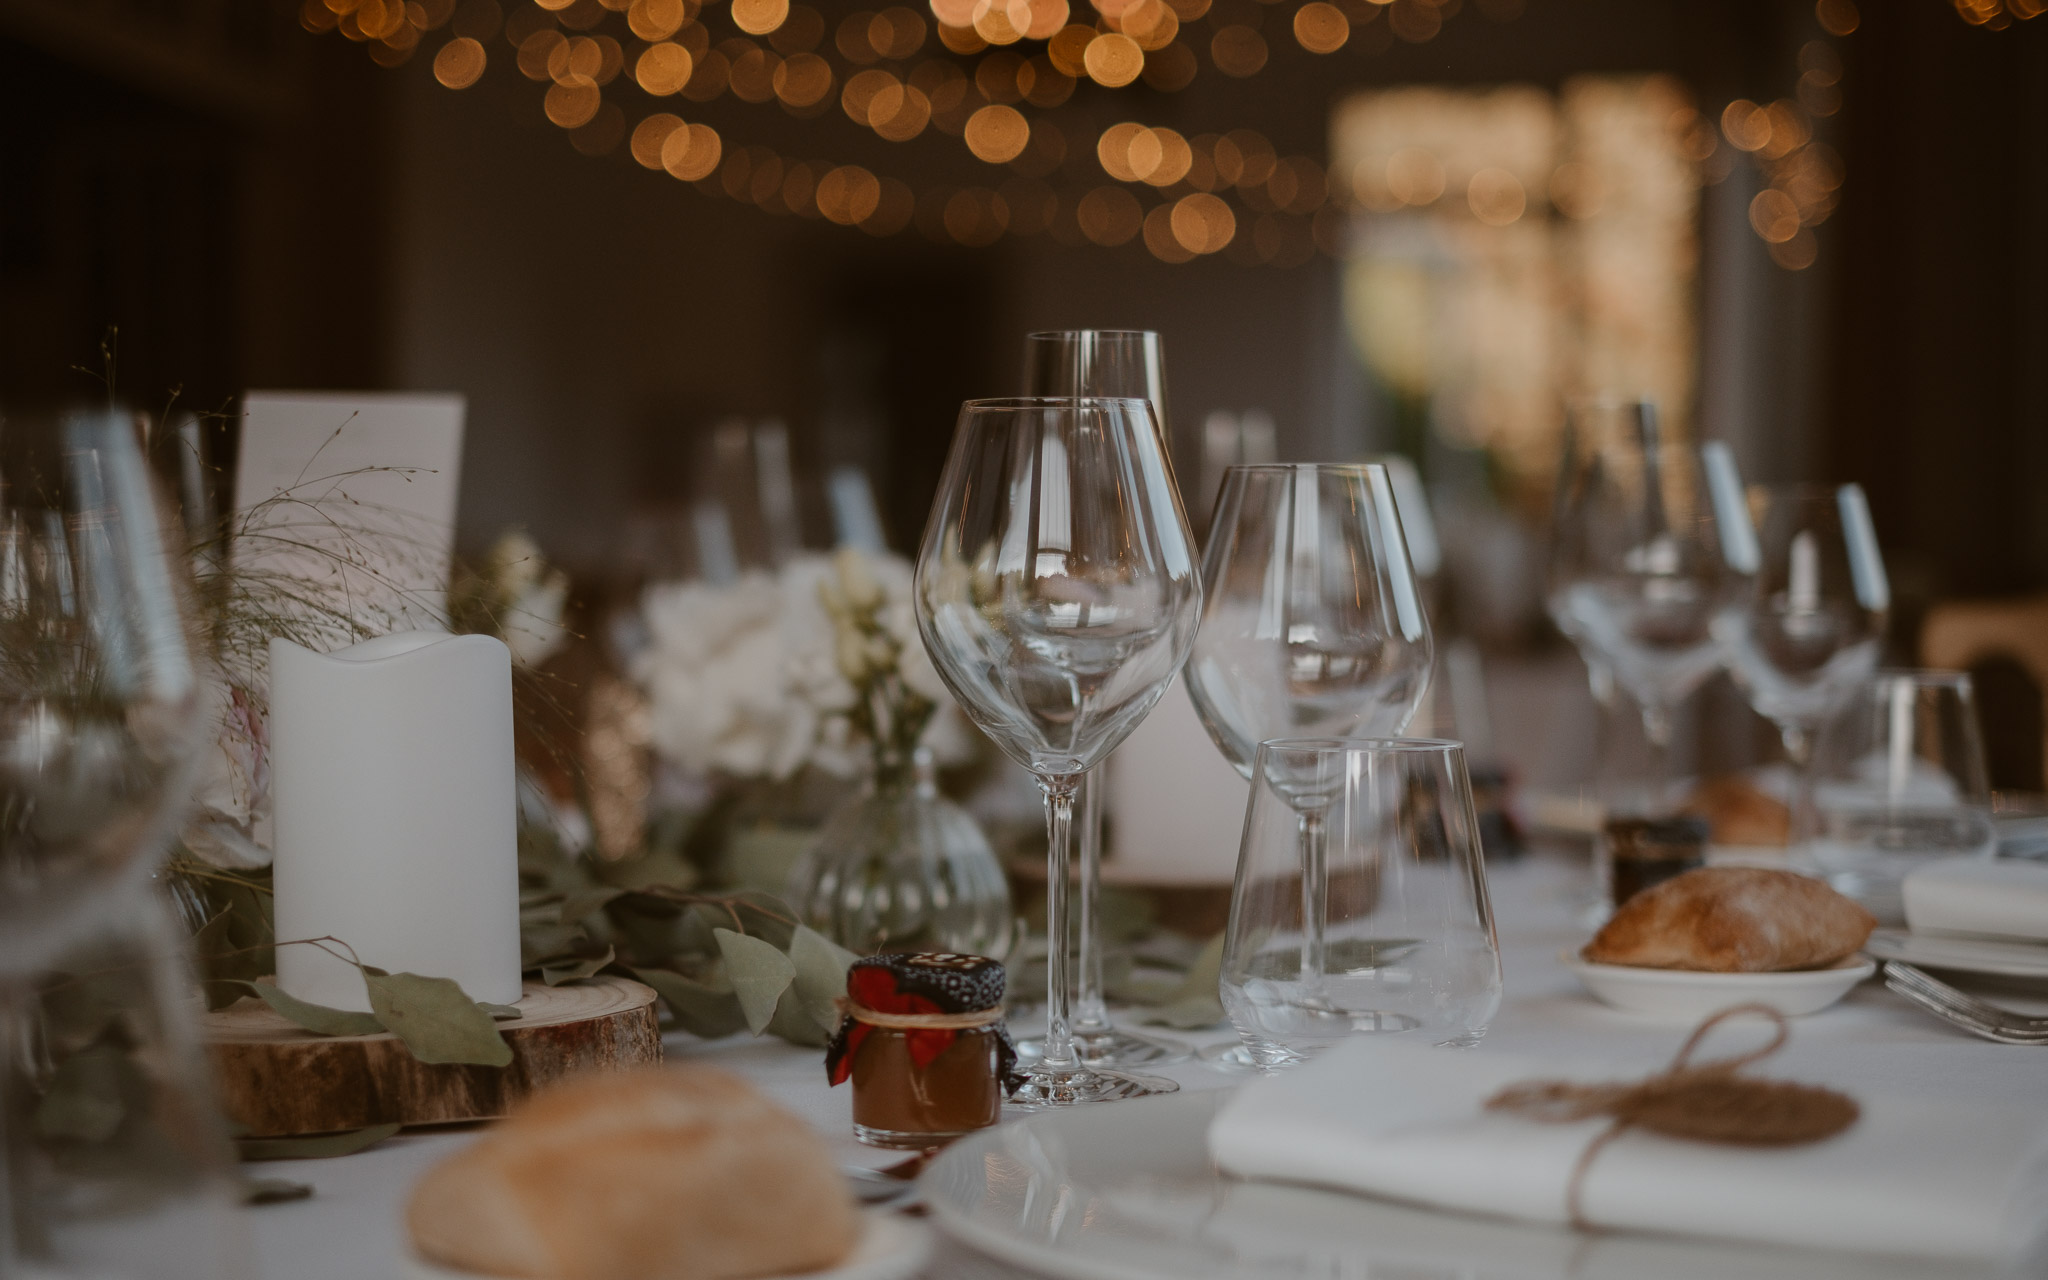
898	867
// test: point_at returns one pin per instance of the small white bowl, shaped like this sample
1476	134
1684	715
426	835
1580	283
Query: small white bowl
1688	994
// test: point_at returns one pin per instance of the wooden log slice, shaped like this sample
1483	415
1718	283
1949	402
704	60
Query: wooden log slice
278	1080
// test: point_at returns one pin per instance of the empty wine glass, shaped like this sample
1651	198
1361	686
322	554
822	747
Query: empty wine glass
1056	592
114	1163
1312	618
1807	630
1637	569
1118	363
1899	779
1389	930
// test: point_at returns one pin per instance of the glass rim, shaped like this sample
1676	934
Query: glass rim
1358	746
1039	335
994	403
1921	677
1337	468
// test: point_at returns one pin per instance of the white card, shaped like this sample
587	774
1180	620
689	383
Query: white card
352	493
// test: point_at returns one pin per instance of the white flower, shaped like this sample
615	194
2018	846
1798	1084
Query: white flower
753	678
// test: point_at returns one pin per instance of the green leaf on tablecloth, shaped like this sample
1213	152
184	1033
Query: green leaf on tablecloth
274	1191
320	1147
580	905
545	943
794	1023
708	1009
436	1019
573	970
764	916
821	966
319	1019
760	973
1194	1004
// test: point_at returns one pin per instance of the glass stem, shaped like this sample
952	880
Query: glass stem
1315	902
1059	791
1805	815
1657	729
1091	1014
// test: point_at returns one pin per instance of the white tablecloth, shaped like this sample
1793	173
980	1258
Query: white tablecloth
351	1228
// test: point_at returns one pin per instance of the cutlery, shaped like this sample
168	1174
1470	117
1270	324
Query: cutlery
1959	1009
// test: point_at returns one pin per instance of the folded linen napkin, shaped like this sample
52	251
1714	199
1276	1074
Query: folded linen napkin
1916	1176
1987	897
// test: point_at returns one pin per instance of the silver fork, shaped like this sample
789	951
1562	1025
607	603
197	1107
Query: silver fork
1963	1001
1999	1025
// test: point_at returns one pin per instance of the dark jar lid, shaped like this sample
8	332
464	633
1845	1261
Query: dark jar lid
1658	839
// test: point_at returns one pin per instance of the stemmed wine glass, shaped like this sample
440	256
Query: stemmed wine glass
107	1123
1122	363
1806	632
1056	592
1637	570
1312	627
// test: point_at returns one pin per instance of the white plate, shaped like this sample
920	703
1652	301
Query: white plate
892	1247
1688	994
1969	955
1125	1191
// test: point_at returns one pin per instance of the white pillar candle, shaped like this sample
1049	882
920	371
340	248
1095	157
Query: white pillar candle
393	788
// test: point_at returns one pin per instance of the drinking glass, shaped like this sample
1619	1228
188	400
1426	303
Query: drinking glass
1637	568
1313	619
1806	631
1056	592
1898	780
1123	363
1389	930
115	1165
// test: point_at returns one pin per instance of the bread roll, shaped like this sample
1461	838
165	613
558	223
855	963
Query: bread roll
661	1174
1733	920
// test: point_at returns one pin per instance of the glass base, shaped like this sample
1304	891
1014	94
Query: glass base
1074	1088
904	1139
1113	1049
1231	1059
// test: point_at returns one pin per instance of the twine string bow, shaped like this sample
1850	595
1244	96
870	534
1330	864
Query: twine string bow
1709	1102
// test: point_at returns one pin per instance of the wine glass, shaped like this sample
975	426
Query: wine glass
1312	619
1390	931
1637	569
1807	630
1056	592
115	1164
1122	363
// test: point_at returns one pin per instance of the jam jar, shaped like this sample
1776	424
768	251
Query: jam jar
922	1039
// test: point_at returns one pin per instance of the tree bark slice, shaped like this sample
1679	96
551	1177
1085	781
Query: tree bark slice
277	1080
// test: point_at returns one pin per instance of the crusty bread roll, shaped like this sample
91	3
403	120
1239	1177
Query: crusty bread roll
1733	920
660	1174
1740	813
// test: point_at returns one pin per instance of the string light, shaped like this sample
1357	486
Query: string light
1183	198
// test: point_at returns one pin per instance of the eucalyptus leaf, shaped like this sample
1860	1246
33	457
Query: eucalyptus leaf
435	1019
1195	1003
793	1022
582	903
274	1190
706	1009
316	1018
821	966
540	944
760	973
570	971
501	1012
320	1147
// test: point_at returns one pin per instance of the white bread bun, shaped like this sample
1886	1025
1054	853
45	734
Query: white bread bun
658	1174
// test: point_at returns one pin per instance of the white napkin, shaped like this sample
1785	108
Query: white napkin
1995	897
1938	1179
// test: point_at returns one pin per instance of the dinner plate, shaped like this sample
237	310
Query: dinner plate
1968	955
1126	1191
1688	995
892	1247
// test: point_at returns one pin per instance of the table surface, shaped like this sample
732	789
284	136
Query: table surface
352	1227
